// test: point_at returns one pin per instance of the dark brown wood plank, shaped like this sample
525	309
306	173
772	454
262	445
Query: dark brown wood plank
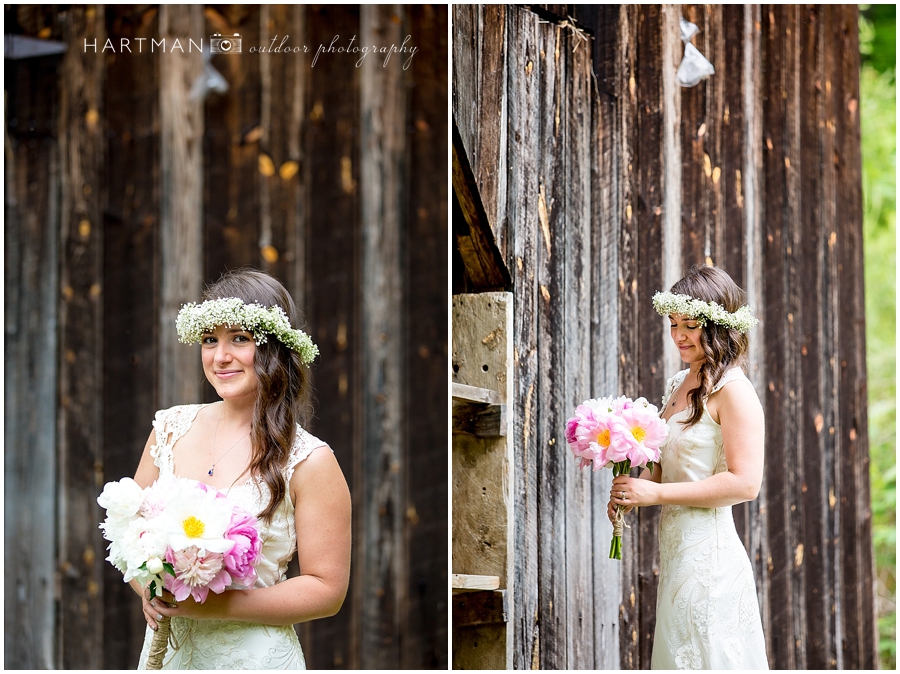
810	241
80	422
650	376
426	350
629	311
331	259
522	207
130	251
696	162
855	511
828	364
233	158
181	202
778	422
383	499
31	275
732	254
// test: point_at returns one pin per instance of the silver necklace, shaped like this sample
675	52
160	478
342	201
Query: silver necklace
215	460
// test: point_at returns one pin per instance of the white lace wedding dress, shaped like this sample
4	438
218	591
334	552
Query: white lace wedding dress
219	644
707	612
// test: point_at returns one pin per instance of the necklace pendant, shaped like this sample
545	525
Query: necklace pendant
211	470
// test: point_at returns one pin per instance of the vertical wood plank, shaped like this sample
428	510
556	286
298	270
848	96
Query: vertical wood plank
577	291
181	200
856	611
425	344
811	243
606	210
31	283
549	263
331	238
828	361
629	312
756	540
522	208
130	259
382	148
650	377
235	160
780	561
80	423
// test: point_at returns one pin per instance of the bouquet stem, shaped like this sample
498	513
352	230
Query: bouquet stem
615	547
159	645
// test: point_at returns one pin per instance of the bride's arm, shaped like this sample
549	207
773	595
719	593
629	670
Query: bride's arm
322	516
742	422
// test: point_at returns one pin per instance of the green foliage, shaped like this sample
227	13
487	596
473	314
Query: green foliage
878	127
878	36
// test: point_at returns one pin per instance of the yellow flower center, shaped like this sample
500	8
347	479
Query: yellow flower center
193	528
638	433
603	438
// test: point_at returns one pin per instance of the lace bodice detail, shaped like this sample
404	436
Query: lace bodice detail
279	537
707	608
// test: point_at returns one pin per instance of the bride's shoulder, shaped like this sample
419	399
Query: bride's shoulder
176	416
673	383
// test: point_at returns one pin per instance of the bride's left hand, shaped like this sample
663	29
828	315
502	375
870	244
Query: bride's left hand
637	492
188	608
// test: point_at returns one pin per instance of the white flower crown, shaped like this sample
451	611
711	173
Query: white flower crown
667	304
195	319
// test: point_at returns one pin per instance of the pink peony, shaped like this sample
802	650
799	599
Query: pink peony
640	433
195	575
240	559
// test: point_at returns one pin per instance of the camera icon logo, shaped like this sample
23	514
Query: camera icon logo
225	45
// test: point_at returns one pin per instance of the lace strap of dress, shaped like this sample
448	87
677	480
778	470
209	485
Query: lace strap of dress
304	444
170	424
673	383
734	374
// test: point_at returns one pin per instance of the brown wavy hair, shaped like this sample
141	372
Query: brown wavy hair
724	348
285	385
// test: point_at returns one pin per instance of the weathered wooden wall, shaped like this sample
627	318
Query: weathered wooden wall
125	193
602	180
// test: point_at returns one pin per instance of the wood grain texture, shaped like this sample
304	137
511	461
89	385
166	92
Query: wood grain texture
425	632
181	201
522	36
131	298
766	186
31	282
382	147
80	422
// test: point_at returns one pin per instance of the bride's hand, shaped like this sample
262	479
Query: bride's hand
632	492
611	511
161	606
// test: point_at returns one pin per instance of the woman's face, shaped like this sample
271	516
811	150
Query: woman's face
686	335
227	355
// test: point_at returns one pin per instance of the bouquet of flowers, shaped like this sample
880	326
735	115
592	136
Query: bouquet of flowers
616	433
181	535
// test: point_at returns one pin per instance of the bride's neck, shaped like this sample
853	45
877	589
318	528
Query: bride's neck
236	413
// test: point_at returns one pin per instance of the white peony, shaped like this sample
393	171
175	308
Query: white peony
121	499
197	517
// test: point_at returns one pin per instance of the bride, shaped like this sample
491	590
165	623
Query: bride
250	446
707	612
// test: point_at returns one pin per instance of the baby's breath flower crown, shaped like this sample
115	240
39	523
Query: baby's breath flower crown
667	304
195	319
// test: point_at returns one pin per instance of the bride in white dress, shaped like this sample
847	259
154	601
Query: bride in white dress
251	446
707	612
